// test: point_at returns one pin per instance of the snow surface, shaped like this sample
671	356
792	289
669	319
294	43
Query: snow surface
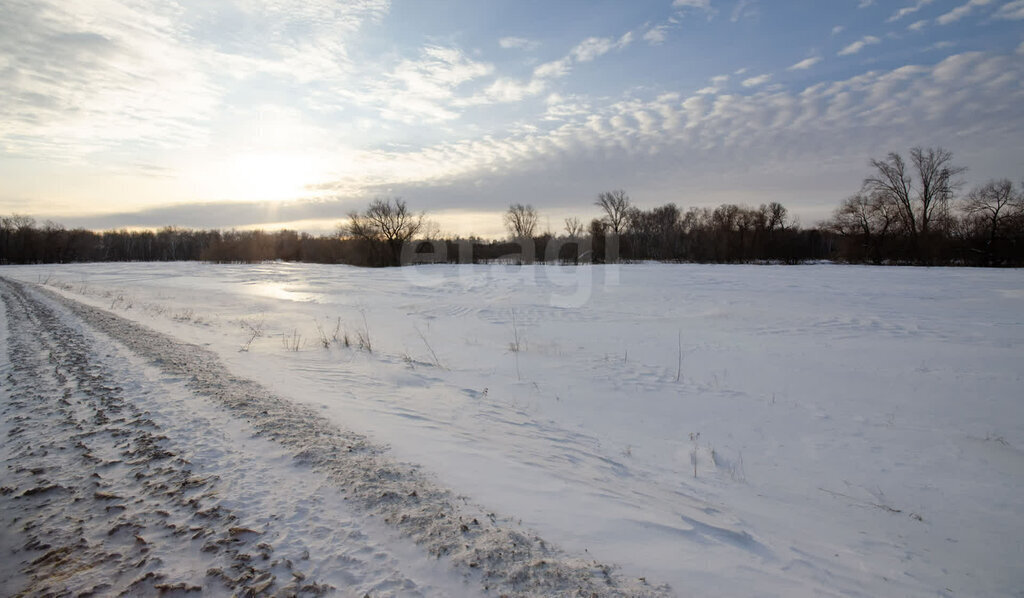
120	480
855	430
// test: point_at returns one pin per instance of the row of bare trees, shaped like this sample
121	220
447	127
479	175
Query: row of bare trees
909	212
728	233
22	241
906	212
372	238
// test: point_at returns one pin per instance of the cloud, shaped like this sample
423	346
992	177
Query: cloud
561	108
68	92
744	9
593	47
838	29
961	11
699	4
865	3
554	69
438	70
805	64
147	80
918	25
662	142
221	214
85	78
1013	10
511	90
1020	48
518	43
908	10
758	80
859	45
507	90
717	82
656	35
684	7
919	98
424	90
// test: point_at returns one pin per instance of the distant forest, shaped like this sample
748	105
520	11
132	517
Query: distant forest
907	211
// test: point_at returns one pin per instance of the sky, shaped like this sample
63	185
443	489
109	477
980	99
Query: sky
293	113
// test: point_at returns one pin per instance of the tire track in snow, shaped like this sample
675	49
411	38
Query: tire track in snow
480	544
97	503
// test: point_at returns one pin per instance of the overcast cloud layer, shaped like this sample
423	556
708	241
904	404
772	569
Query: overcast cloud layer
221	113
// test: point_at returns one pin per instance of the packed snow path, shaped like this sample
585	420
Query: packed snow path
102	505
121	479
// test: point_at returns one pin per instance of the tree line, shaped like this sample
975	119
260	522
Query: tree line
907	211
388	233
22	241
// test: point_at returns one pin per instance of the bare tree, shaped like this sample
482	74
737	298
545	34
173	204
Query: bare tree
655	233
521	221
573	228
994	205
775	215
938	183
864	215
892	184
16	236
387	221
616	209
922	202
871	218
17	222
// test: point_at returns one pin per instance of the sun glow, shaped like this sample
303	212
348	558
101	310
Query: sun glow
260	177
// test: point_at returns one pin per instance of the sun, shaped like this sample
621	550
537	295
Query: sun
268	176
262	176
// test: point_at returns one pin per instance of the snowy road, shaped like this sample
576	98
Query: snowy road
138	465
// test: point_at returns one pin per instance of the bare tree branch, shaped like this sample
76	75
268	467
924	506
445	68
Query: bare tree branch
573	228
521	221
387	221
616	208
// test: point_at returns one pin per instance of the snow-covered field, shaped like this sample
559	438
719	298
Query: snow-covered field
727	430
